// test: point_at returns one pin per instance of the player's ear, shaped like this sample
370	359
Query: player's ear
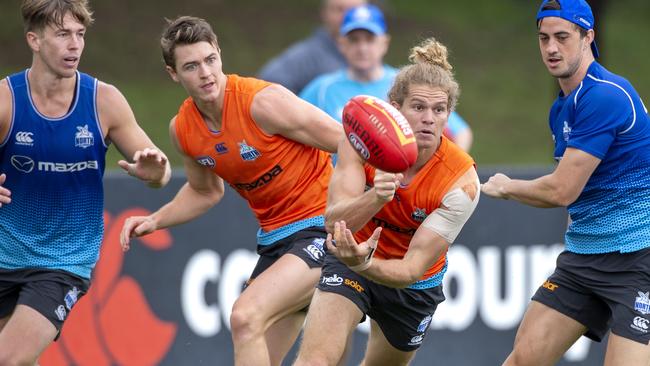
396	105
172	73
33	41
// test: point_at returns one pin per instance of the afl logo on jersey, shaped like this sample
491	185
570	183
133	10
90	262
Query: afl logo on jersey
206	161
23	164
247	152
83	138
24	138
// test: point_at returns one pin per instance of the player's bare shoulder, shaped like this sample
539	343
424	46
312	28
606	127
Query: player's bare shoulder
270	106
112	107
6	105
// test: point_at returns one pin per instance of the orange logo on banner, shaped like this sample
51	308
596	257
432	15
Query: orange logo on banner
114	324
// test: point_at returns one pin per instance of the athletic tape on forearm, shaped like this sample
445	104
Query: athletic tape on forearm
447	221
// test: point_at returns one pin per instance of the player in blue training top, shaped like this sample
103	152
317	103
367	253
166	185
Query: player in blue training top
55	127
601	131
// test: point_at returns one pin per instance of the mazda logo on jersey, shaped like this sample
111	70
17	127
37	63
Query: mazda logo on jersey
22	163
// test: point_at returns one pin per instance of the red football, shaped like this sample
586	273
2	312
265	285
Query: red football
379	133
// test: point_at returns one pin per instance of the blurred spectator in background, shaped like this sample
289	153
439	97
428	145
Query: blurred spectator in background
312	56
364	42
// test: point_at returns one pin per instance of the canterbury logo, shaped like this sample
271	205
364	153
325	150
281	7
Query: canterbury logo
24	138
641	322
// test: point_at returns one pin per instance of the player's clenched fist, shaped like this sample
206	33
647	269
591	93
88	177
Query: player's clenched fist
386	184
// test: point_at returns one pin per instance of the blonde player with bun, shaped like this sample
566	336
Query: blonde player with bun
404	224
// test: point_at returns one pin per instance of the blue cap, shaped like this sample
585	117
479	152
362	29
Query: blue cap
575	11
367	17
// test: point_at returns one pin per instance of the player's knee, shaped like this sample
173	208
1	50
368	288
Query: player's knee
245	321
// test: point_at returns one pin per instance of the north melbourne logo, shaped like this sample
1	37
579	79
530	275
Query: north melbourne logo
83	137
642	303
24	138
248	152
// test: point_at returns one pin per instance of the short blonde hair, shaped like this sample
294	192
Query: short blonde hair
38	14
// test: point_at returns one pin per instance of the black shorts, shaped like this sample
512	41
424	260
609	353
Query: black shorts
602	292
52	293
403	314
307	244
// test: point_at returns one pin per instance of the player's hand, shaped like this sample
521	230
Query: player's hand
5	194
149	165
347	250
494	187
386	184
134	227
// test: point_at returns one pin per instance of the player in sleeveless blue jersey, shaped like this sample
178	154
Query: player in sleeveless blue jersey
601	131
55	127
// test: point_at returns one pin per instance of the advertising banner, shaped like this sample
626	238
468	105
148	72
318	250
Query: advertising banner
168	300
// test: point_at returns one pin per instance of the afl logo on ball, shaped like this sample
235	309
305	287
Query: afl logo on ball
358	145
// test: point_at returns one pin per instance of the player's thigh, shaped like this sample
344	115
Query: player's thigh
544	335
626	352
380	352
283	288
26	335
330	321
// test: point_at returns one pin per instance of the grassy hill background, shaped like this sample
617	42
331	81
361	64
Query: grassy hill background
506	91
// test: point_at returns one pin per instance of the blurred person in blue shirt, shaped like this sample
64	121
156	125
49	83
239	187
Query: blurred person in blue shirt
312	56
364	41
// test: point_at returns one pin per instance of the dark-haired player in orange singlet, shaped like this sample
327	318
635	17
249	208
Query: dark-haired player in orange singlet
272	148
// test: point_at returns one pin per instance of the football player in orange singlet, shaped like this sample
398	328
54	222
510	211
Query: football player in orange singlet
407	220
272	148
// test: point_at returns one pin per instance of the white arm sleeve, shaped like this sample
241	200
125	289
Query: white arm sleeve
448	220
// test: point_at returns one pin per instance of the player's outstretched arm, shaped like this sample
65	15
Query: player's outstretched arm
430	241
203	190
558	189
278	111
145	161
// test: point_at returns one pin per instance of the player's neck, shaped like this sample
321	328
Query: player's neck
569	84
51	94
212	109
43	81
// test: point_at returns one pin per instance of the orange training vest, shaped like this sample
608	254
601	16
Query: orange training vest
402	216
283	180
